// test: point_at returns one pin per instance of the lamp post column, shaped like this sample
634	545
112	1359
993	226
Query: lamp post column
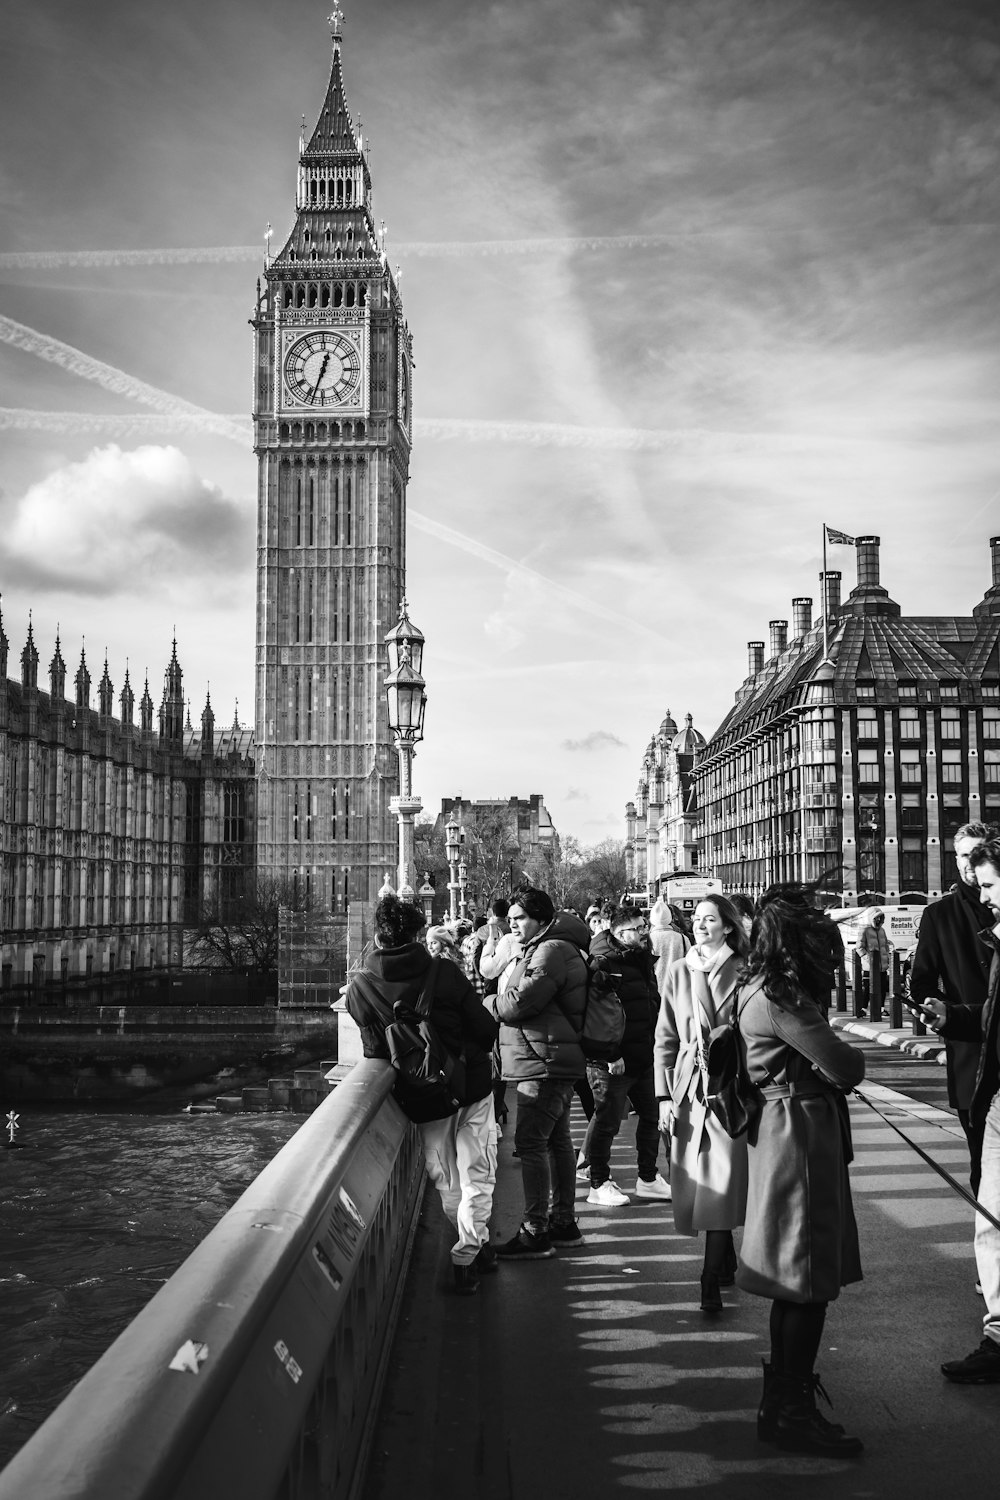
407	702
452	850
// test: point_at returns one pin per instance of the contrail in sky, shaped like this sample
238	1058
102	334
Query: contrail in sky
36	260
510	565
530	434
77	363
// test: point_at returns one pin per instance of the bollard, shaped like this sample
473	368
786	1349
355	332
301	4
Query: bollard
896	993
876	978
858	988
842	987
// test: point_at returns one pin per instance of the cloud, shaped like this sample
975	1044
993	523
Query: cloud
125	522
598	739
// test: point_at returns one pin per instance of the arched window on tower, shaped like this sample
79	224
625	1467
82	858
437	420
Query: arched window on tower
350	294
300	295
338	295
336	501
312	510
287	295
347	510
313	289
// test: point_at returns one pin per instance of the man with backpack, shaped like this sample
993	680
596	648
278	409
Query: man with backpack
623	956
541	1013
388	997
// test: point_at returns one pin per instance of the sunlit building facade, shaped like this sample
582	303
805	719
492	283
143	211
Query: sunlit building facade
661	825
856	760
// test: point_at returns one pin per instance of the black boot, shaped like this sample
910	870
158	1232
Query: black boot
767	1411
730	1265
800	1427
711	1297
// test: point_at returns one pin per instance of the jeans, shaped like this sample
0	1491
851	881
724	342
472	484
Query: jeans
461	1157
545	1149
988	1238
610	1093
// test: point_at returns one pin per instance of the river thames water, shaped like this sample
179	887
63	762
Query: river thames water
97	1210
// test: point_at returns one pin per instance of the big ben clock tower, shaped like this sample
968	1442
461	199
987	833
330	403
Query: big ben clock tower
332	431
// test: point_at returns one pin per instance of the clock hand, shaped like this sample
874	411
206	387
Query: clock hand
319	377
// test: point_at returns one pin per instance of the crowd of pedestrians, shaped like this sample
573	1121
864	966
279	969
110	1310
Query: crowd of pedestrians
511	998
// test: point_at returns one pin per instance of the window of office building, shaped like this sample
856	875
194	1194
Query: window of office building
951	765
868	765
949	690
991	766
991	723
865	689
909	723
991	690
951	724
912	814
912	865
906	690
867	723
909	766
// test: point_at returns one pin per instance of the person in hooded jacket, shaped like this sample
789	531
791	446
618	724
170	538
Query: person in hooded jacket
666	940
623	953
541	1014
460	1145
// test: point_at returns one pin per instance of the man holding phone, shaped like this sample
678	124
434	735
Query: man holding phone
952	959
966	1022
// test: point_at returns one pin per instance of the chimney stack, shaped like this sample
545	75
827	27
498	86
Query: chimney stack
995	552
830	583
867	561
802	613
755	651
991	599
779	636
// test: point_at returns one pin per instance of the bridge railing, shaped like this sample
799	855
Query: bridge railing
255	1371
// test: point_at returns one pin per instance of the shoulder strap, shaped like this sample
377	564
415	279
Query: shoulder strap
426	996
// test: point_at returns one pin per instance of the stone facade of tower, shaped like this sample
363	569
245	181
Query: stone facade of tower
332	426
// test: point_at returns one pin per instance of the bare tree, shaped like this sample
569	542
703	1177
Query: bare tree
242	932
492	852
562	877
604	871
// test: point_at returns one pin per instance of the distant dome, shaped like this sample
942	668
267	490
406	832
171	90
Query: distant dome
667	729
689	741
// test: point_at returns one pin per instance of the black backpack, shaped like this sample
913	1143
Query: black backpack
604	1017
430	1075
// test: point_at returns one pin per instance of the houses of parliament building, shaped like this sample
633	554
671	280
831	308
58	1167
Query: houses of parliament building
123	824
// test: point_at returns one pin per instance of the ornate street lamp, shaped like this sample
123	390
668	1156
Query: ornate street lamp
407	703
463	885
452	852
426	894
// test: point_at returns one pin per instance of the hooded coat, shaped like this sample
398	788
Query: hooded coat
459	1017
801	1239
542	1008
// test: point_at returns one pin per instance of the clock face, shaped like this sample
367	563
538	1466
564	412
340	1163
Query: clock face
323	369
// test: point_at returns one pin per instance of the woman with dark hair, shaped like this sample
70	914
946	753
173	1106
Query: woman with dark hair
460	1144
800	1245
708	1169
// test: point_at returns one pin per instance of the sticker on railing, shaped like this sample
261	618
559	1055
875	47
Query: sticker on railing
190	1356
292	1366
352	1209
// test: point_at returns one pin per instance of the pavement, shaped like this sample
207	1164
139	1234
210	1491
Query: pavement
901	1039
596	1372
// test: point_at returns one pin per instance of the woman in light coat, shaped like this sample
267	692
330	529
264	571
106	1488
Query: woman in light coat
801	1240
708	1169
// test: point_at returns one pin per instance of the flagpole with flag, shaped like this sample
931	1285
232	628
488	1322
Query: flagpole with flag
839	539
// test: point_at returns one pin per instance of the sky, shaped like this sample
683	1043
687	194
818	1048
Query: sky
686	279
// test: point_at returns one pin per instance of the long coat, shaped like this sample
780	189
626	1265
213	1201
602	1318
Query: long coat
708	1169
801	1238
951	957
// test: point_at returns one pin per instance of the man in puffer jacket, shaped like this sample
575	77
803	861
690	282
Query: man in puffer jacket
623	953
541	1014
460	1145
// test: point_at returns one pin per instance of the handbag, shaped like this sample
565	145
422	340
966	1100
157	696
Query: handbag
729	1094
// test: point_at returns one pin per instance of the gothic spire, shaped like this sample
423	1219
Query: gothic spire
106	693
57	675
29	660
127	699
333	198
83	680
146	709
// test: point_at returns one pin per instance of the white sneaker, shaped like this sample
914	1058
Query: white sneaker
608	1195
658	1188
